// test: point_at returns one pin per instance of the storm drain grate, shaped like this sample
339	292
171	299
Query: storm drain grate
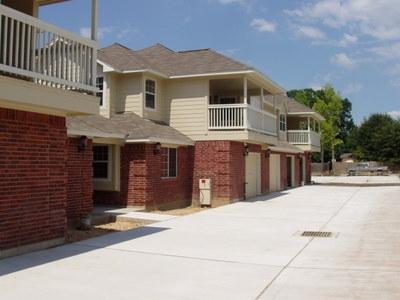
325	234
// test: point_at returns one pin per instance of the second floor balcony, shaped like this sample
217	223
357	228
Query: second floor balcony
36	51
305	139
241	117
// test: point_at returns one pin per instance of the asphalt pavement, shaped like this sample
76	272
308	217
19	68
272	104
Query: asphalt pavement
319	241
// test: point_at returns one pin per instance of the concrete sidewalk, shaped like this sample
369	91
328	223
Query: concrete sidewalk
247	250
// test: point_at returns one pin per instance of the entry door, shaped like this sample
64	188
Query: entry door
253	175
274	172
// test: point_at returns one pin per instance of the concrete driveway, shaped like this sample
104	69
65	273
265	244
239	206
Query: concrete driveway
247	250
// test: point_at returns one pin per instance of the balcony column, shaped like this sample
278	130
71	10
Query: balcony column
245	121
94	38
94	20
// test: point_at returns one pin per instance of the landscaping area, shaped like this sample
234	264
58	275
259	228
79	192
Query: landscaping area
122	224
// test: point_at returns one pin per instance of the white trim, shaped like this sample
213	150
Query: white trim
146	78
159	140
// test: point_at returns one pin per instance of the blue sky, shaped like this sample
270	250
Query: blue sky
352	44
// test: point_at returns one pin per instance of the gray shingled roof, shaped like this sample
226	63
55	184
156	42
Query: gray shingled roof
169	63
128	126
294	107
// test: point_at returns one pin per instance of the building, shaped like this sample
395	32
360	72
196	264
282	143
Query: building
177	128
46	75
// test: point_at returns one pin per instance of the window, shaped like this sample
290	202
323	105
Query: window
150	101
282	122
101	162
100	86
169	162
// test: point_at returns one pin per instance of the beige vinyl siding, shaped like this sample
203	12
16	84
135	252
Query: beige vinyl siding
155	114
130	94
187	103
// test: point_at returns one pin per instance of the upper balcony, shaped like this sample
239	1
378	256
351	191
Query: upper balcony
42	54
305	139
241	116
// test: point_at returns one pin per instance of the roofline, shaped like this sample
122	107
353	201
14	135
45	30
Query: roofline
278	88
96	134
313	113
159	140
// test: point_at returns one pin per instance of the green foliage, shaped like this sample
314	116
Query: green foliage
337	112
378	139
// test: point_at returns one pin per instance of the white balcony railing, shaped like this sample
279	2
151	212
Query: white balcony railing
240	116
34	50
304	137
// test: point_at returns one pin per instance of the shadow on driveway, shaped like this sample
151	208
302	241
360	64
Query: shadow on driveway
34	259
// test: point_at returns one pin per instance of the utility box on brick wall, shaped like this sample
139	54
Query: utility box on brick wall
205	191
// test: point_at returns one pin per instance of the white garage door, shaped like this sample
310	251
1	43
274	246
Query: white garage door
274	173
253	175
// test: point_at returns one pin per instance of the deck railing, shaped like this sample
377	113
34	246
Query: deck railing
241	116
304	137
37	51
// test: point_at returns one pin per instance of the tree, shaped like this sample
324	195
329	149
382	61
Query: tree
378	139
329	105
334	109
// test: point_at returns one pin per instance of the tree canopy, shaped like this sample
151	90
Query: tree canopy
337	112
378	139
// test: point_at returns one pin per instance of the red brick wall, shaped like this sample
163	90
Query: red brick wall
33	178
223	162
80	179
141	182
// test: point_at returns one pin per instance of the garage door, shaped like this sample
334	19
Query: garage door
253	175
274	173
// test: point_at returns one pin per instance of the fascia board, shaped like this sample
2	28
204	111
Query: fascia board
159	140
96	134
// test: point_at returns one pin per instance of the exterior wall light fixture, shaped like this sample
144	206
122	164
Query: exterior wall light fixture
246	150
82	145
268	153
157	148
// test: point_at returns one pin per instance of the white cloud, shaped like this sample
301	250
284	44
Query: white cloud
395	114
263	25
353	88
395	82
347	40
86	32
229	52
308	32
391	51
244	3
378	19
342	60
395	69
320	81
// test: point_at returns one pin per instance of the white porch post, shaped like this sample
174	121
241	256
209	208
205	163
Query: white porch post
94	38
245	121
94	20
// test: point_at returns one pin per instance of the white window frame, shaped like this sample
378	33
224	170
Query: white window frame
282	122
108	161
101	91
112	182
150	93
167	149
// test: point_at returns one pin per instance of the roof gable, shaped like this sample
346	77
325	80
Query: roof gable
160	59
